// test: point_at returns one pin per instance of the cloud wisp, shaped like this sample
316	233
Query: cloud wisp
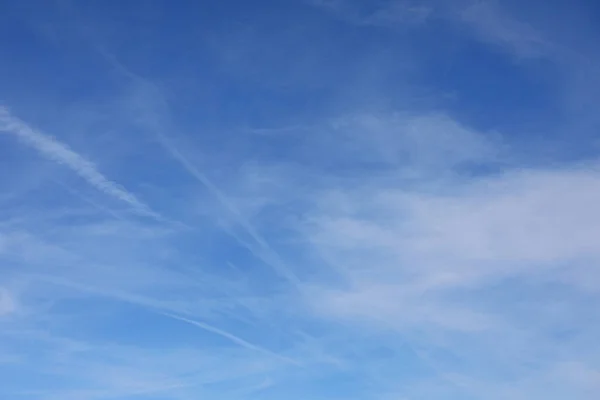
7	303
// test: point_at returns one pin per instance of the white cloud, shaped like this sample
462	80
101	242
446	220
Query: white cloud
493	227
427	142
433	262
487	267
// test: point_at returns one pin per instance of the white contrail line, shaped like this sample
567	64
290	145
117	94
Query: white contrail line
265	252
232	338
157	307
63	154
269	256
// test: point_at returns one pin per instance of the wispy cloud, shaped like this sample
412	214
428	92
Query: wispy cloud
492	24
488	20
7	303
441	259
441	262
110	370
101	263
526	223
389	14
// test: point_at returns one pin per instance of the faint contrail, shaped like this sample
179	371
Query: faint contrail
163	309
231	337
152	115
62	154
260	248
264	251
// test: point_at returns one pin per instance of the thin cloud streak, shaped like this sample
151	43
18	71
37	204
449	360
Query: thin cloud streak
265	252
152	115
61	153
161	308
233	338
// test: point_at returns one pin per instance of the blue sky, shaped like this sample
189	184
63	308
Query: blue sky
322	199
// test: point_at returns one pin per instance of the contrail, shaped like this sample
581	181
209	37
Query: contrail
262	249
265	251
232	338
158	307
63	154
151	116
